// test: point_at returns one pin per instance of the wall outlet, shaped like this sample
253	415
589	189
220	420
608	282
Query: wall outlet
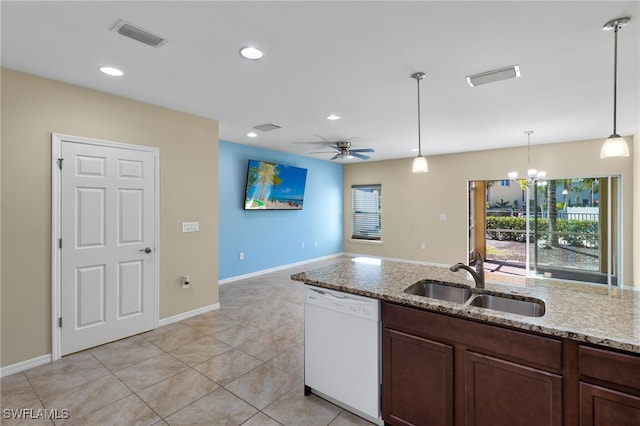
315	244
443	216
190	226
423	246
185	281
241	255
301	245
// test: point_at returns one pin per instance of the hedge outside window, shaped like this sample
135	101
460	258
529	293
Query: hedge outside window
366	212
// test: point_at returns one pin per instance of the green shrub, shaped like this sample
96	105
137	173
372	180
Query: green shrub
575	233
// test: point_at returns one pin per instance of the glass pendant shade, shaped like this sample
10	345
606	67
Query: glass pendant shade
420	165
614	146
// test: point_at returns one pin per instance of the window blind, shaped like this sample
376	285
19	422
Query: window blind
366	212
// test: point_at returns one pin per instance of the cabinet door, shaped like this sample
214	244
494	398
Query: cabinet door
601	406
417	380
499	392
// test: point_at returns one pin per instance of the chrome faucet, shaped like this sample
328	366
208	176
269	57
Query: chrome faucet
478	274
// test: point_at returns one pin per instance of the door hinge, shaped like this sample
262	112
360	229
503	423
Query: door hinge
59	242
60	160
60	322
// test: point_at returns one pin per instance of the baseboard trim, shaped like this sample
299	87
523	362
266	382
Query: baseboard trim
25	365
188	314
45	359
276	269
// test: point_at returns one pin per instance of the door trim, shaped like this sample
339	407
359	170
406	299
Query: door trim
56	215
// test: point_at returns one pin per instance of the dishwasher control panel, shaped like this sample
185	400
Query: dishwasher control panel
351	304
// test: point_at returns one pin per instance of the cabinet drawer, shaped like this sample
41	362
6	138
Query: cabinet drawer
529	349
612	367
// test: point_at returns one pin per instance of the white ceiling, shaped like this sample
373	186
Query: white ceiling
353	59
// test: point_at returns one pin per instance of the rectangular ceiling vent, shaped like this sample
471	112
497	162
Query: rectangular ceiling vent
127	29
267	127
493	76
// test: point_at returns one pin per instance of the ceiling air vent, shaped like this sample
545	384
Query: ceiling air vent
127	29
493	76
266	127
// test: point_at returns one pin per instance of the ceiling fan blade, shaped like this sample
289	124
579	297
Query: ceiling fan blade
361	156
335	157
363	150
321	152
335	147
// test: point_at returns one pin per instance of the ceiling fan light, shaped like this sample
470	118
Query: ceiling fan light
614	146
420	165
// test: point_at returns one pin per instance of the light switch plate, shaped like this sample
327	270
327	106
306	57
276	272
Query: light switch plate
190	226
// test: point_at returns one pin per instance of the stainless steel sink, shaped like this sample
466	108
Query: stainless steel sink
441	291
528	307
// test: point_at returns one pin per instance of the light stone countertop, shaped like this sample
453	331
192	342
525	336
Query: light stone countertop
597	314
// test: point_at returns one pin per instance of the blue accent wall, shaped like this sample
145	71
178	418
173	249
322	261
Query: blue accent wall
272	238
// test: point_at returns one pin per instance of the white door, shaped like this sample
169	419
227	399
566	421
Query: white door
107	223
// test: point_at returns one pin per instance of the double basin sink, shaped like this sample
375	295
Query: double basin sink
464	295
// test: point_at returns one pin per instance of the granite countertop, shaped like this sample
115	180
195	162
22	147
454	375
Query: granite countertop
598	314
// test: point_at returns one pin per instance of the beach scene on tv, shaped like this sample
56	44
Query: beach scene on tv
273	186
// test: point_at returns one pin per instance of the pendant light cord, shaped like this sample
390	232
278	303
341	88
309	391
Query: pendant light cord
528	132
418	78
615	76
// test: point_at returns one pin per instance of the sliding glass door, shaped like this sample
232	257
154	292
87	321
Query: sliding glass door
557	228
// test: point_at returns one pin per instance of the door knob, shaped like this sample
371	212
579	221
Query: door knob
146	250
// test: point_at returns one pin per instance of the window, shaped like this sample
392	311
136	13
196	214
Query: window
366	212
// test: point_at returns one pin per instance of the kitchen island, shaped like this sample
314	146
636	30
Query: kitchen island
452	363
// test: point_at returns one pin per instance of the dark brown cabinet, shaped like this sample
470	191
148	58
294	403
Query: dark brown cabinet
609	388
499	392
420	380
442	370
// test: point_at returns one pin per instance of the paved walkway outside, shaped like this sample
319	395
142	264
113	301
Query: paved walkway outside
509	257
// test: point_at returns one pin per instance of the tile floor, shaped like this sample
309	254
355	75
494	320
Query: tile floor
240	365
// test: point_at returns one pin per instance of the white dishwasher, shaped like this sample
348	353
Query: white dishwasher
342	350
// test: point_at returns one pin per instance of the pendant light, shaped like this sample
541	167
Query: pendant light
532	174
615	145
419	163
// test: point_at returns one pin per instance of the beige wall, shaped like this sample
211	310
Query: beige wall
32	109
412	203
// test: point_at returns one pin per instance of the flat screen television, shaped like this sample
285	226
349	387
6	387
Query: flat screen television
272	186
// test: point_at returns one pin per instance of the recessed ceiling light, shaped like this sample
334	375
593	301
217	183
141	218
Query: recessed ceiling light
113	72
252	134
333	117
251	52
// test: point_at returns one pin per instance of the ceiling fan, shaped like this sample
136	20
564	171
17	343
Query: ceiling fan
344	150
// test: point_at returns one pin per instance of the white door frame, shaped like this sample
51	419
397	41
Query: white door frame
56	215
